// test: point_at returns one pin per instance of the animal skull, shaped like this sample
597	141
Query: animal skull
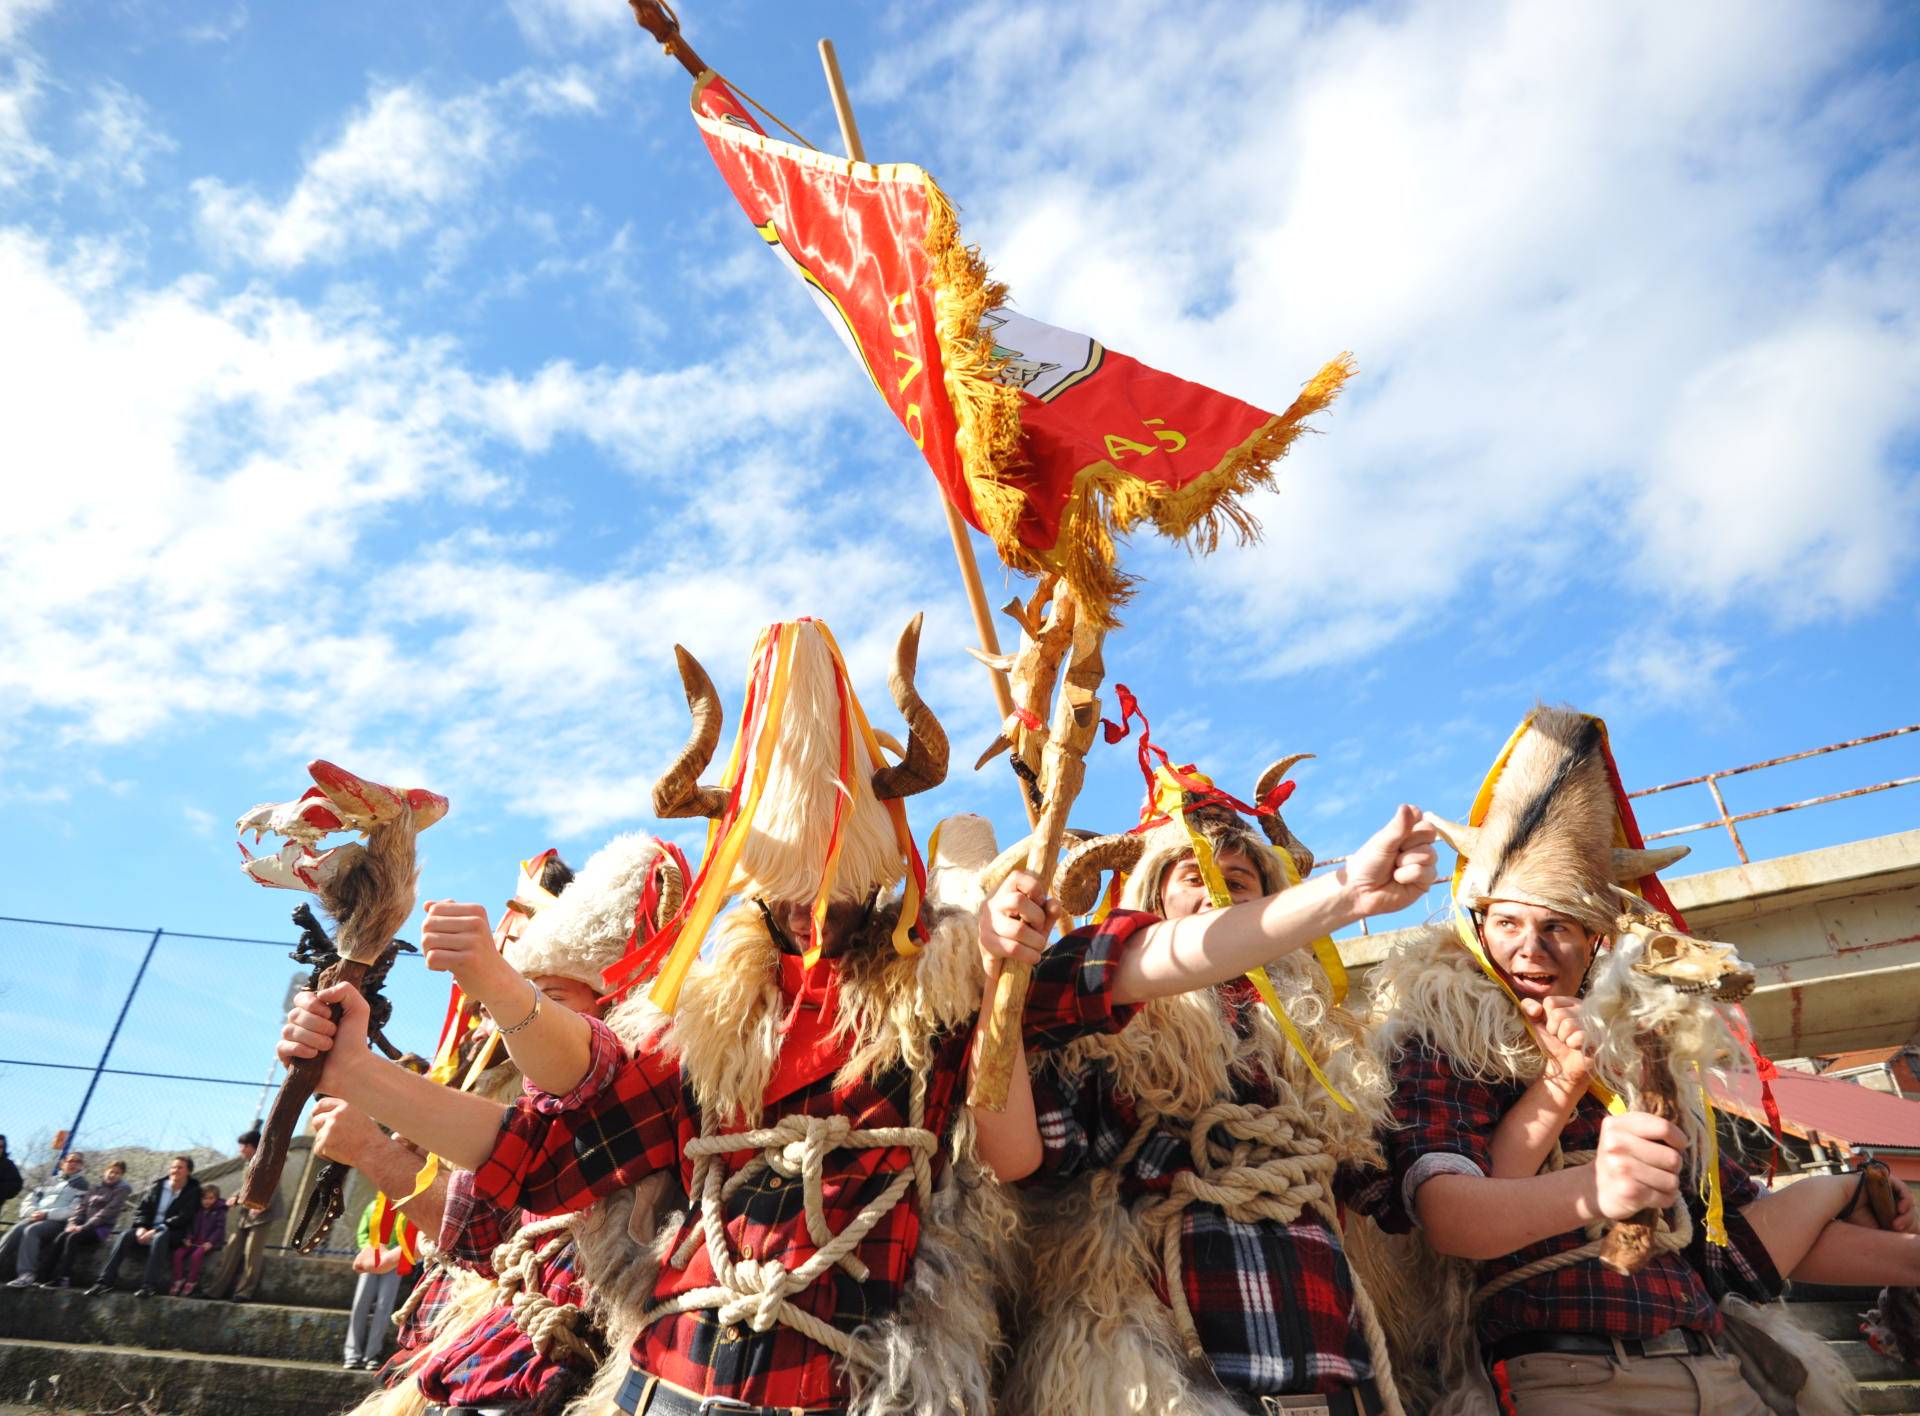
339	801
1683	962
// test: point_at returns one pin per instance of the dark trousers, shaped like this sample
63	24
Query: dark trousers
159	1252
57	1259
237	1273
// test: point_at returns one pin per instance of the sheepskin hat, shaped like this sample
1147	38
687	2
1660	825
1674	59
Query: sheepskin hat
1548	827
585	929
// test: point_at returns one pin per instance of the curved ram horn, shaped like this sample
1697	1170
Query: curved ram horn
673	888
678	791
925	765
1270	822
1629	866
1077	886
1013	858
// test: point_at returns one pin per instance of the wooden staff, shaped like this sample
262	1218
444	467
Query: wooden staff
1066	636
1629	1245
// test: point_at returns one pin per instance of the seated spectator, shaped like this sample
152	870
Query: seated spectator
206	1235
160	1222
91	1225
43	1214
237	1273
10	1183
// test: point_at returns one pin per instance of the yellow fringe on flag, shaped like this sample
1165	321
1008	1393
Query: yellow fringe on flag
1105	502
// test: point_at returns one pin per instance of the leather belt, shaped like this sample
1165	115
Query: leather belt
1675	1342
465	1411
643	1394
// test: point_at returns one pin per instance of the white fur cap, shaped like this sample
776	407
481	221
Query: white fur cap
585	930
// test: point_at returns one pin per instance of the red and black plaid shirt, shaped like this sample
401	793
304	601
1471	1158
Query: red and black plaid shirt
494	1362
1273	1303
472	1227
1445	1115
645	1118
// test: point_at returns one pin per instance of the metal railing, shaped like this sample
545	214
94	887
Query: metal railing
1730	821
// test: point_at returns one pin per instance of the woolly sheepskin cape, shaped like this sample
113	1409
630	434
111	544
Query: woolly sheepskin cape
937	1348
1095	1338
1431	990
584	931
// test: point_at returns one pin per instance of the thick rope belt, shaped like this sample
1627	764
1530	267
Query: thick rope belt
517	1263
1268	1163
757	1291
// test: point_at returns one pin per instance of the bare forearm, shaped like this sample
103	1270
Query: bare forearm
1790	1220
454	1124
1526	1133
554	1049
1475	1217
1009	1139
393	1169
1849	1255
1176	956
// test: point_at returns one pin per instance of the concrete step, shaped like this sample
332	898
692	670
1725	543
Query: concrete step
174	1324
286	1277
88	1377
1897	1398
307	1282
1870	1366
1839	1321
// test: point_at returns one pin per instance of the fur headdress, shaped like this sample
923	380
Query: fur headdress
1185	814
581	932
1549	826
809	808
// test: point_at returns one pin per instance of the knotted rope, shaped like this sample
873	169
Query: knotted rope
757	1291
517	1264
1254	1163
1675	1233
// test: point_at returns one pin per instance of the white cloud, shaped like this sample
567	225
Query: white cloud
118	138
1629	277
17	15
551	24
398	163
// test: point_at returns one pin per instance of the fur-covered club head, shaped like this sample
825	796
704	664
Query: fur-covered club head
584	930
1547	834
823	808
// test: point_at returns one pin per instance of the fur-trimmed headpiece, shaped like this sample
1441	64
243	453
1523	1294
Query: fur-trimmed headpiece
1547	827
1183	811
809	808
581	932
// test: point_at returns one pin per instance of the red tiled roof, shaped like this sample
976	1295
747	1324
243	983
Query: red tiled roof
1830	1109
1866	1057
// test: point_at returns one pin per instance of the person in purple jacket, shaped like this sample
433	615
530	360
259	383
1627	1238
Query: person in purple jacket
89	1225
207	1234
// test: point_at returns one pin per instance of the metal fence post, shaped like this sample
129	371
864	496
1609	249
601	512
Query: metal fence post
107	1051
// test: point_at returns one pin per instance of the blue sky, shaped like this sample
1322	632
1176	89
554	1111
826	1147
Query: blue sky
398	386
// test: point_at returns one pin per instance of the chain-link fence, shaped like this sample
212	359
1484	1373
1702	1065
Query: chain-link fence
139	1044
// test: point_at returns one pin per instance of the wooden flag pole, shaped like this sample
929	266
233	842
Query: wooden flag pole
956	528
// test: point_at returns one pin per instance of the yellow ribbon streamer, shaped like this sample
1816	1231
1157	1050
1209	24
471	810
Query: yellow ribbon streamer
722	859
1171	800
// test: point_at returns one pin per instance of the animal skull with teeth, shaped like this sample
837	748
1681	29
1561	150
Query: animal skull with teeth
338	801
1681	961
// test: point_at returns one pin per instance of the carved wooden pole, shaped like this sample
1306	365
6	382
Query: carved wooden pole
1629	1245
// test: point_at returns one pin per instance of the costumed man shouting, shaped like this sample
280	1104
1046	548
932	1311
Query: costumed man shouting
1186	1244
1563	986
